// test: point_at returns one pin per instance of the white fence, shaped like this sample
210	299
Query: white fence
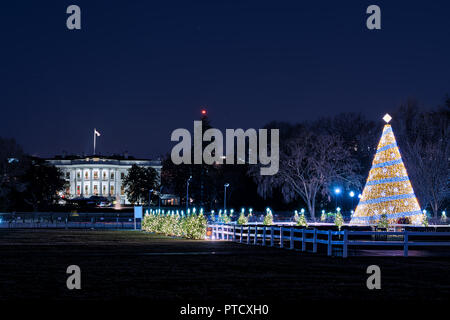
288	237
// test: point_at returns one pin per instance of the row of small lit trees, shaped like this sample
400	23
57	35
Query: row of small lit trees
193	224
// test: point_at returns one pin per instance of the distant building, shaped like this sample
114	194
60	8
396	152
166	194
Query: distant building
99	175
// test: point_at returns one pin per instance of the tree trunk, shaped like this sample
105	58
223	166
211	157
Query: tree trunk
311	209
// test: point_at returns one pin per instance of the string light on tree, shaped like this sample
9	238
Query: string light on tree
388	190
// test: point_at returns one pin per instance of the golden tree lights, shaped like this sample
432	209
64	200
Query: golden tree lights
388	190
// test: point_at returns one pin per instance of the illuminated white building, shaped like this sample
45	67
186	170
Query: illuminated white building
98	175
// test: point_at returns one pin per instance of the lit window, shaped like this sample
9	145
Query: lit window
122	190
112	190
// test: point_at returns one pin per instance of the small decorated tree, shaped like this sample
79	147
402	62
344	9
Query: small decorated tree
296	216
384	222
226	218
302	221
323	217
242	219
338	220
425	220
268	219
443	217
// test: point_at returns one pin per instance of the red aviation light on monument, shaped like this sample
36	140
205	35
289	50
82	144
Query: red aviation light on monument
203	112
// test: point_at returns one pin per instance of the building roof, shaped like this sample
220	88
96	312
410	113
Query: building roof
100	159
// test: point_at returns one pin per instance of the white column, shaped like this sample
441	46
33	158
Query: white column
90	180
82	183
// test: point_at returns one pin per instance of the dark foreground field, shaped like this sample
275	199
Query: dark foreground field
134	265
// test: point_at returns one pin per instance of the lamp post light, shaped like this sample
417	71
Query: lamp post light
226	185
337	192
187	192
352	195
149	196
159	198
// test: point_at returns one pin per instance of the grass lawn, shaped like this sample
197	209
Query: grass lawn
133	264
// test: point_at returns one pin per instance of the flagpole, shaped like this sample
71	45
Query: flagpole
94	140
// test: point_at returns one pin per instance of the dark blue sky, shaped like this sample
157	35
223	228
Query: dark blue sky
139	69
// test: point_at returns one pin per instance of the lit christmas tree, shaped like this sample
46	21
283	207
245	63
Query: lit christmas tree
388	190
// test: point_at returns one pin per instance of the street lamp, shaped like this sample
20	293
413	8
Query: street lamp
187	192
352	195
149	196
337	191
226	185
159	197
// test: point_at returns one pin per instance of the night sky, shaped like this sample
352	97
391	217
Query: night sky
140	69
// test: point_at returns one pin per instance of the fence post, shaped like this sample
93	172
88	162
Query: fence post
234	233
271	236
248	234
315	241
303	240
264	236
329	242
281	237
242	230
345	249
292	239
405	243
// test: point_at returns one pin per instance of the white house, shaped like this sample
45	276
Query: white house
99	175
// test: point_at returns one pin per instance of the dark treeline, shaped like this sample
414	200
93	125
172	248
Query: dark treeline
27	183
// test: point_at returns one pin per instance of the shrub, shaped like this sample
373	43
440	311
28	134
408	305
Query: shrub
192	226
